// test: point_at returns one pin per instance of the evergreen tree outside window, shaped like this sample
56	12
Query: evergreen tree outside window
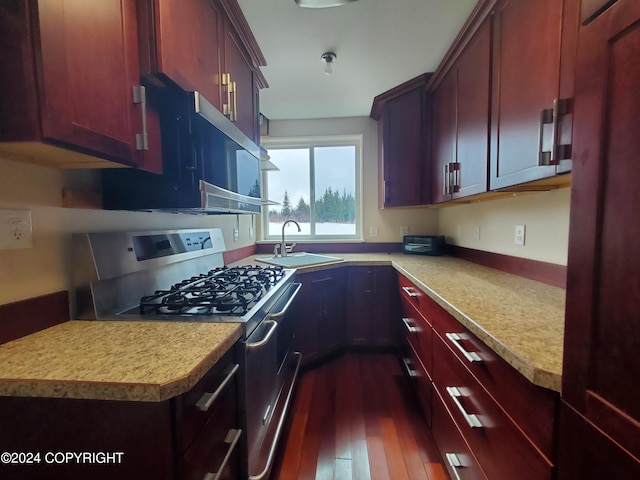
318	184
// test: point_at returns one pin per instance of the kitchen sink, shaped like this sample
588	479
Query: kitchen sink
299	259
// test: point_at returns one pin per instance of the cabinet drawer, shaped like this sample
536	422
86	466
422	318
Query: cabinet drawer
418	333
419	378
533	408
502	450
191	415
215	448
456	454
414	295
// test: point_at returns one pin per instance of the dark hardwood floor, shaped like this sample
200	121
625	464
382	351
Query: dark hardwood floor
355	418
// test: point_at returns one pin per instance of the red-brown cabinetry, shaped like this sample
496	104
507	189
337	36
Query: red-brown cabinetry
600	416
532	81
404	169
68	72
370	307
487	419
461	122
189	437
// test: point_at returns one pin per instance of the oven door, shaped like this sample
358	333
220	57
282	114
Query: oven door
271	368
261	385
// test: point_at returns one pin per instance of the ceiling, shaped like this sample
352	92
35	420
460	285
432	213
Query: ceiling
379	44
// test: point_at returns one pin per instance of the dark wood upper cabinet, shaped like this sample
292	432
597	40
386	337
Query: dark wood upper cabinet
602	331
68	71
204	46
180	42
530	95
404	168
461	122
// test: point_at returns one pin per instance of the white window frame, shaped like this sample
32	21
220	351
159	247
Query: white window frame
310	143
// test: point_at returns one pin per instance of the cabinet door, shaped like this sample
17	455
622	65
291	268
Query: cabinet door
372	314
87	62
319	314
185	41
403	155
242	98
602	334
472	118
444	137
526	77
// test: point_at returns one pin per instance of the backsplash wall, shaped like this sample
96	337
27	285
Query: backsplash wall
46	267
544	214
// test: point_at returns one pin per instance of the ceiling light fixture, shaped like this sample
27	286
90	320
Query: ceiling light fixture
322	3
329	58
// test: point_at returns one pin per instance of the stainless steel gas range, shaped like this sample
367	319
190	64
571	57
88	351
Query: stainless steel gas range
179	275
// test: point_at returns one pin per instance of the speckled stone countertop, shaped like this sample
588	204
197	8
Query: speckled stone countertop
140	361
520	319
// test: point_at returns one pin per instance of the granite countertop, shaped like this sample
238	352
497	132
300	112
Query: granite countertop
108	360
520	319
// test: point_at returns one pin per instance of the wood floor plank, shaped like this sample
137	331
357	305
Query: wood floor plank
344	469
392	450
377	459
436	471
356	418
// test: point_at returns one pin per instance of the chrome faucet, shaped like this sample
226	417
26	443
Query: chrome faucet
284	248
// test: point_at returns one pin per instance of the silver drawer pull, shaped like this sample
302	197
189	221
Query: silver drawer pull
232	439
407	365
410	328
454	462
410	292
455	339
472	420
267	337
265	417
283	312
208	398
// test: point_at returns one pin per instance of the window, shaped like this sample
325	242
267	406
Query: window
318	184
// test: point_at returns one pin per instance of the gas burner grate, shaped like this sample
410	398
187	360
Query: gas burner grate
221	291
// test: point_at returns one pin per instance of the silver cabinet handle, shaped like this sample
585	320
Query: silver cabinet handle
455	339
267	337
232	439
140	97
283	312
472	419
410	292
558	152
410	371
208	398
265	417
445	183
410	328
546	117
454	462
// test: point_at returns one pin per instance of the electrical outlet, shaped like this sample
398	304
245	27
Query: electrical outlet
373	231
251	232
404	231
476	232
520	234
15	229
459	232
236	235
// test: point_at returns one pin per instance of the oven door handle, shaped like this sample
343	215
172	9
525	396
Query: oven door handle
283	312
267	337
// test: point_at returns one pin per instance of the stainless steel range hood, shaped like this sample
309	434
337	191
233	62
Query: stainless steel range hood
209	165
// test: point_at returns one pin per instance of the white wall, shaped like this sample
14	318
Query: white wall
545	214
45	268
419	220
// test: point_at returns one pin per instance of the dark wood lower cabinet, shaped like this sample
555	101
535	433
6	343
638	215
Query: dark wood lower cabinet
127	440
